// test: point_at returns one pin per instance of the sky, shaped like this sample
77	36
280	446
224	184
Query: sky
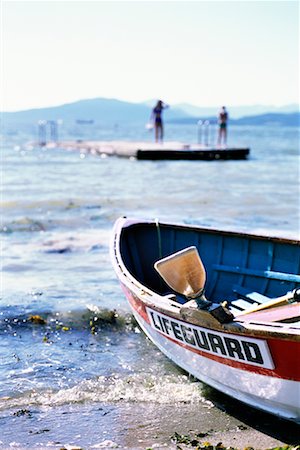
206	53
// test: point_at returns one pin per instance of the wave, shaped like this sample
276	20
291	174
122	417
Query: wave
133	388
57	221
23	224
84	240
48	214
45	204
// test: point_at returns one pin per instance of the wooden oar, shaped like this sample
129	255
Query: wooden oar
184	272
274	302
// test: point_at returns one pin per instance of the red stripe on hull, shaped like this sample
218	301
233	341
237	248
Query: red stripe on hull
285	354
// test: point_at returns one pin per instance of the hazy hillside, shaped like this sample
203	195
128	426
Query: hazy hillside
276	119
99	109
102	112
236	111
287	119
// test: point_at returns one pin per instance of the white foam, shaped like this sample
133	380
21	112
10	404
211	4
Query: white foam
135	388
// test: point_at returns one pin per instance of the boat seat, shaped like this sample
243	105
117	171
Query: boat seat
248	294
235	311
240	305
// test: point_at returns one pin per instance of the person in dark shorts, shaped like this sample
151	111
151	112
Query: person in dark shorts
156	117
223	119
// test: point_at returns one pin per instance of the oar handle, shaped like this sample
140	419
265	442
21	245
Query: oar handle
289	297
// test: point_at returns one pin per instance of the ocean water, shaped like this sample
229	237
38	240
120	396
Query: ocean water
75	368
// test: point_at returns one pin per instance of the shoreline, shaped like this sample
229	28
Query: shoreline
141	426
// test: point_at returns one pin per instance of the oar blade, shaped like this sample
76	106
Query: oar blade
183	271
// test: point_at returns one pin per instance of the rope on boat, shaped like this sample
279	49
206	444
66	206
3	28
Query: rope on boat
159	247
158	238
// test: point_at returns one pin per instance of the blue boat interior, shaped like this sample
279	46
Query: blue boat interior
238	266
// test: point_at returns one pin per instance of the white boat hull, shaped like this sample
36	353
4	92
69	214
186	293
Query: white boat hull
275	395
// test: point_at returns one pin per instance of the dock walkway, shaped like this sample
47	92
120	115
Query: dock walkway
120	148
149	150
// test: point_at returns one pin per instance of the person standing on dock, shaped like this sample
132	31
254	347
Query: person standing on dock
223	119
156	117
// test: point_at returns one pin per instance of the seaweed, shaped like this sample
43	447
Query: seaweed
36	319
189	441
22	412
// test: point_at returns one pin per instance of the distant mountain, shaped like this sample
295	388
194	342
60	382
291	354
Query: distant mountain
276	119
103	111
287	119
236	111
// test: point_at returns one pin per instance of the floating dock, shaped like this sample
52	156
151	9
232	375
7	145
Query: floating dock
206	154
172	150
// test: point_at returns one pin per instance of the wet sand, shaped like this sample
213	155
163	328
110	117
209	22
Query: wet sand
142	426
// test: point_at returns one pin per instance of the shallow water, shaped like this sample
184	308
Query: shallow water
87	374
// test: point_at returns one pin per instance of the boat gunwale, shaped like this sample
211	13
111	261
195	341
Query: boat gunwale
128	222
